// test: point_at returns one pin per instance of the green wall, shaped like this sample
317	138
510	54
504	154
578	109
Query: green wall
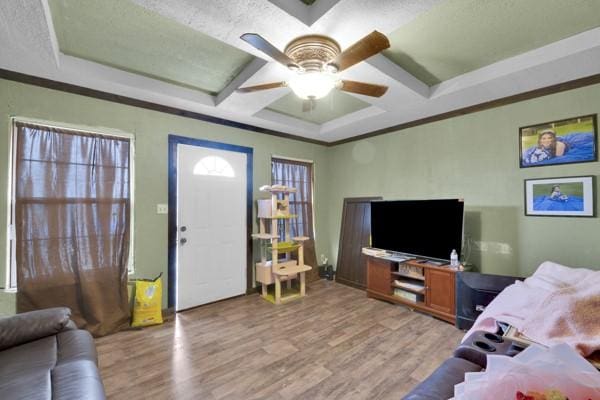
151	130
475	157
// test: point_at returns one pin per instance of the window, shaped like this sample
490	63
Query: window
71	200
299	175
214	166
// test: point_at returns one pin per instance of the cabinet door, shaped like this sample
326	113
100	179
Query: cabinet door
379	276
440	290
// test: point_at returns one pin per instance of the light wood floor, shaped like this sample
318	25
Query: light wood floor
333	344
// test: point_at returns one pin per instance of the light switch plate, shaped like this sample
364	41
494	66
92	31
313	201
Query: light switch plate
162	208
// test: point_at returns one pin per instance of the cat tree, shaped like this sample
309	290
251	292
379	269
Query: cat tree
278	270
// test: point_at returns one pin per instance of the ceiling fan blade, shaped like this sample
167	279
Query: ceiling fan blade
366	47
260	43
368	89
264	86
308	105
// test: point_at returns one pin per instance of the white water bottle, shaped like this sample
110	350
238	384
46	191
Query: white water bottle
453	258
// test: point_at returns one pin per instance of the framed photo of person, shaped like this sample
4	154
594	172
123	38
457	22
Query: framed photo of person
571	196
568	141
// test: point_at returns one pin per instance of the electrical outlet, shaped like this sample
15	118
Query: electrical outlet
162	208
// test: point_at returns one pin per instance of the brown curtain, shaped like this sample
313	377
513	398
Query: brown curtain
72	212
298	175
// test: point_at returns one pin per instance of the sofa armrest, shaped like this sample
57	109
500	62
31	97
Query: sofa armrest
481	344
440	384
33	325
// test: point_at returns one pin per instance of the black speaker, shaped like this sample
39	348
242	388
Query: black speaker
474	291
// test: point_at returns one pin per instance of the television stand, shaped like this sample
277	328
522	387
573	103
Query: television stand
398	258
437	263
418	284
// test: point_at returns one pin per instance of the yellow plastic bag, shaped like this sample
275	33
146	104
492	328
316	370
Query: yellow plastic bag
148	302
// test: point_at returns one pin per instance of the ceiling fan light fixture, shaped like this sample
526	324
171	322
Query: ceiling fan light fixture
316	61
313	85
332	68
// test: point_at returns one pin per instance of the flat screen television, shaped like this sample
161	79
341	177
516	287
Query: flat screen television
425	228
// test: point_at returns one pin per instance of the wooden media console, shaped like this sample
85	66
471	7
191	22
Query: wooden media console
415	283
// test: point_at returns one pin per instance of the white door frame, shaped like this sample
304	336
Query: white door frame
175	140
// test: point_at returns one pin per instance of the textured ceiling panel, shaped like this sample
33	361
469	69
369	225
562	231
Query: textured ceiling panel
121	34
459	36
332	106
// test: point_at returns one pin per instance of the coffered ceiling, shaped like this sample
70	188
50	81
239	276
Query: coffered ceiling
129	37
445	54
335	105
458	37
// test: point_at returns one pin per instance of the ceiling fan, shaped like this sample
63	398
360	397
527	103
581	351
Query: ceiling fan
316	61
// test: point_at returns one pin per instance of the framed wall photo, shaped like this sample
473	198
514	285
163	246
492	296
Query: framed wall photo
571	196
568	141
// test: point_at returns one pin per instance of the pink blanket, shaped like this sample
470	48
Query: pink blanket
557	304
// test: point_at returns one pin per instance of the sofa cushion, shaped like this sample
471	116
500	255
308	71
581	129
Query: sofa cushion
440	384
27	358
63	366
34	385
33	325
78	379
75	345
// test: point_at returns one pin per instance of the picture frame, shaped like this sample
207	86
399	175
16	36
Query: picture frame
566	141
570	196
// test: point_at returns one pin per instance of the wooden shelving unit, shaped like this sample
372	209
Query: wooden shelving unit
438	285
407	276
409	288
277	270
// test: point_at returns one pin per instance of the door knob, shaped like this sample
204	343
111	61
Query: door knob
183	228
183	241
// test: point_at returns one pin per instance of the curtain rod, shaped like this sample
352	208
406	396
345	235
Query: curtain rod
74	127
292	159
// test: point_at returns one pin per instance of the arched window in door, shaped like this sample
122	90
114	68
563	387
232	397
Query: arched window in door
214	166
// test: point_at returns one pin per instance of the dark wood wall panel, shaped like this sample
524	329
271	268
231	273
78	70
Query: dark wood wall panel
354	235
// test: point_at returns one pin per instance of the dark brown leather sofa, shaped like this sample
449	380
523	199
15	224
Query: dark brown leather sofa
473	290
44	356
440	384
469	356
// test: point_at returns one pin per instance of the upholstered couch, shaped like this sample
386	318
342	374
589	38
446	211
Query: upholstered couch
44	356
469	356
473	291
440	384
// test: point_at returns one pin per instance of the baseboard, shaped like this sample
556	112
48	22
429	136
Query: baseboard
350	283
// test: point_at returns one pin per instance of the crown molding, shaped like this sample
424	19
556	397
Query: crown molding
532	94
115	98
97	94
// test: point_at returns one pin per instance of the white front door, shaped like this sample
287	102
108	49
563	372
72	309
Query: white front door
211	223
